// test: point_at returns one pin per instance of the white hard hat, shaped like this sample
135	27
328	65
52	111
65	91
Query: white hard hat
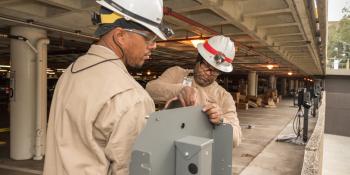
148	13
219	52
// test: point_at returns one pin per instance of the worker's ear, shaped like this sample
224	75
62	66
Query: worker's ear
119	35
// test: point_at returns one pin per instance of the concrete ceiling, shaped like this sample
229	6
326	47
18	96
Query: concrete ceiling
290	34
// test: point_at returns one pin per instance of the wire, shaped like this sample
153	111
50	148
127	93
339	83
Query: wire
88	67
93	65
296	122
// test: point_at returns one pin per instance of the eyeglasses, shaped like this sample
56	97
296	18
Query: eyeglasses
149	37
207	67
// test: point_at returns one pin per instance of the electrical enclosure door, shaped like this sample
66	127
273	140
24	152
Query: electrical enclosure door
154	149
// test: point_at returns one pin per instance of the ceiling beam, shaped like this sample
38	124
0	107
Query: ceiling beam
277	25
285	34
270	12
68	5
291	41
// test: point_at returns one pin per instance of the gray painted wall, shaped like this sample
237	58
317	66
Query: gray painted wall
337	105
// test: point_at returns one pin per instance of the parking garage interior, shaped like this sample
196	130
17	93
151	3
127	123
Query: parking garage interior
281	47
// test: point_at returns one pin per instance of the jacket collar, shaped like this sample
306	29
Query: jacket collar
102	52
105	53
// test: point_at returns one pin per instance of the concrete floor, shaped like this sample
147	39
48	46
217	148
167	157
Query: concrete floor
258	153
336	155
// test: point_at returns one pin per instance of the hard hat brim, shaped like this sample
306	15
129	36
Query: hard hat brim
154	29
224	66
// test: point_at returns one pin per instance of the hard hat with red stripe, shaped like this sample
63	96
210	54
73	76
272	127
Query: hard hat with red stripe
219	52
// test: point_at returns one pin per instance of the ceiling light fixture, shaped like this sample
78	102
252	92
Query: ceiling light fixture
195	42
270	66
290	73
5	66
148	72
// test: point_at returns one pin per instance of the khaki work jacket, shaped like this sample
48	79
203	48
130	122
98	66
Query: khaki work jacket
95	116
169	84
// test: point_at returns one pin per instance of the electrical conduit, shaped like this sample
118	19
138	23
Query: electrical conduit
41	102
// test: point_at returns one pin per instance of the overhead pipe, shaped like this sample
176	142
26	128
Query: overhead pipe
168	11
183	39
21	38
30	23
41	102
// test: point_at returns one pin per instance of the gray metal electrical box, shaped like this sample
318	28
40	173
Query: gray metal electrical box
161	147
193	155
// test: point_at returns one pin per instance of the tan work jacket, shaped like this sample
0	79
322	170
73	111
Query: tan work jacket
169	84
95	117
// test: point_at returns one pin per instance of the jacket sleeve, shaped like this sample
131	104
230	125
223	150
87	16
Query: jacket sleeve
230	116
117	127
168	85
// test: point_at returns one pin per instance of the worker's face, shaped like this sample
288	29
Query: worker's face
138	47
205	74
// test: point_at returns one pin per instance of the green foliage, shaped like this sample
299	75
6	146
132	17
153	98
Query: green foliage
339	37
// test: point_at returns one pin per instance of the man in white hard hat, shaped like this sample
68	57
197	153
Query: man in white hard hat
215	56
98	109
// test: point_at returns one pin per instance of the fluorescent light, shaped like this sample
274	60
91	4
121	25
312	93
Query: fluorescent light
5	66
60	70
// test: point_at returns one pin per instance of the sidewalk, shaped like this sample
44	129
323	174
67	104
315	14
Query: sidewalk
336	155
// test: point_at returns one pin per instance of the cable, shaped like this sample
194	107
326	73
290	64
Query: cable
296	123
107	60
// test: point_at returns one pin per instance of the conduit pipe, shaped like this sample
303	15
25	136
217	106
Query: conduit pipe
17	37
41	103
168	11
47	27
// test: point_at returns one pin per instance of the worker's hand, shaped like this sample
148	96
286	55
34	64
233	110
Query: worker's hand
214	113
188	96
169	102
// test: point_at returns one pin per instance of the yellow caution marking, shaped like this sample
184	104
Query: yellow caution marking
4	129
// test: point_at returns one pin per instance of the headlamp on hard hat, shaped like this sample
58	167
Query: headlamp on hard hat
219	58
168	32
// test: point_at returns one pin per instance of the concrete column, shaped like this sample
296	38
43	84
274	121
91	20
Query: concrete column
284	87
256	84
272	82
23	83
290	85
318	83
296	84
301	83
252	83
